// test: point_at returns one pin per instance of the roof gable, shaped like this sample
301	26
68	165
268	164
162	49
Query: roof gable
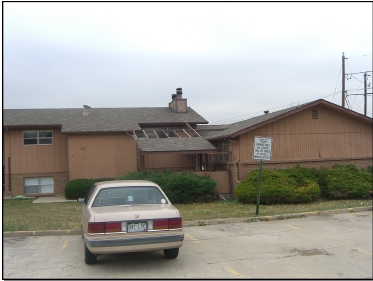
241	127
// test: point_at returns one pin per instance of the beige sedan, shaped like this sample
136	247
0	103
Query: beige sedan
129	216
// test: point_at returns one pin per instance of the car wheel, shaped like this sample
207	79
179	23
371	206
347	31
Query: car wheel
89	258
171	253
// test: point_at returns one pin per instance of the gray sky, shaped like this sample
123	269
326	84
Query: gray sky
233	60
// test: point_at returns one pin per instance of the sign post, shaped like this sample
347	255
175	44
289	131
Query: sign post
259	186
262	151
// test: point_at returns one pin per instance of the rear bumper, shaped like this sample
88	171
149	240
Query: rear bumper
114	244
135	241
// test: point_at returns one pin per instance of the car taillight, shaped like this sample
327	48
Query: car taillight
112	226
96	227
174	223
116	226
160	224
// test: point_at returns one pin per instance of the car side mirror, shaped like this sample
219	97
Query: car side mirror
80	200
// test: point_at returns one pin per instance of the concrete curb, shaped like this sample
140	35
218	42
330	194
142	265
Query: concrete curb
276	217
201	222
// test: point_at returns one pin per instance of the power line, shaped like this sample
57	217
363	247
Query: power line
359	56
335	89
283	106
241	117
356	79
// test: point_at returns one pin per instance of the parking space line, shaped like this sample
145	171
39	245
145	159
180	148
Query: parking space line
292	226
192	238
64	245
231	270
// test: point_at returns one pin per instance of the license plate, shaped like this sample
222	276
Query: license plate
137	227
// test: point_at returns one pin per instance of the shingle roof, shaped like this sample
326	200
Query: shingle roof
174	144
205	130
234	129
100	119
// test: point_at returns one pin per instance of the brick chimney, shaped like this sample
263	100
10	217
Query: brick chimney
86	110
178	104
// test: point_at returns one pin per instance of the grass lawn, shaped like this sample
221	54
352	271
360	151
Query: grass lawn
22	214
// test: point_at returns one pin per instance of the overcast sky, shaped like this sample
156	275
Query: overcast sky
233	60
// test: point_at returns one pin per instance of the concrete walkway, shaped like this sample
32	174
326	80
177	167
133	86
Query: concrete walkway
52	199
46	199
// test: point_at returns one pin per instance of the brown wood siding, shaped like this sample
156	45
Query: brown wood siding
221	177
34	158
170	160
99	156
298	137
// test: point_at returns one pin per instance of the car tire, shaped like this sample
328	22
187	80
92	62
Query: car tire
89	258
171	253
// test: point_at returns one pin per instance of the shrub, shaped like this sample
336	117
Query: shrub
80	188
301	175
347	182
183	187
279	187
370	169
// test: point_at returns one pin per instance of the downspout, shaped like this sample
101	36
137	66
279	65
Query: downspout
9	169
140	165
10	177
236	161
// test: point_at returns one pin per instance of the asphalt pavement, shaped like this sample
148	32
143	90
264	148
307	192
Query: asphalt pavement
53	199
317	246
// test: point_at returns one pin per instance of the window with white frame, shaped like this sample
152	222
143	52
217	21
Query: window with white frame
39	185
222	147
162	132
44	137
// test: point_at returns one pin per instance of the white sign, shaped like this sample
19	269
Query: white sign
262	148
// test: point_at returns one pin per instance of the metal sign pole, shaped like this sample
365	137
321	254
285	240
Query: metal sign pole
262	151
259	186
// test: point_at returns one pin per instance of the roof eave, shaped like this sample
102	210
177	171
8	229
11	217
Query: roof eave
179	151
33	126
96	132
294	111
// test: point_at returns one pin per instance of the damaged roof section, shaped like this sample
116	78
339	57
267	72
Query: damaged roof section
187	145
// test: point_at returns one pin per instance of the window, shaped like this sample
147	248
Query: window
163	132
315	114
128	195
90	194
37	137
223	146
39	185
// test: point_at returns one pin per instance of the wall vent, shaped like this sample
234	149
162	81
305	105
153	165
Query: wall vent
315	114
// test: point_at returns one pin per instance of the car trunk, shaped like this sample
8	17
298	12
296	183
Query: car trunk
133	212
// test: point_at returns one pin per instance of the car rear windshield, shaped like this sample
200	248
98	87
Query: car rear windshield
129	195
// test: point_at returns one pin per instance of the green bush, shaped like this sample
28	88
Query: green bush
183	187
347	182
80	188
370	169
279	187
302	174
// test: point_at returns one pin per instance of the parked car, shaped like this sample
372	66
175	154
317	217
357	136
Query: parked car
129	216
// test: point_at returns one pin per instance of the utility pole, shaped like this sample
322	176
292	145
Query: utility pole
343	79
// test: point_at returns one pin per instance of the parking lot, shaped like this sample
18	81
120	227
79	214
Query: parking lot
326	246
